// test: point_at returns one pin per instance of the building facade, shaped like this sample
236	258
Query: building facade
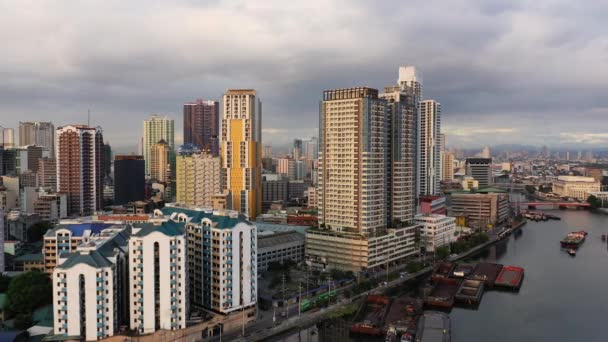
201	125
129	179
480	210
575	186
429	167
481	170
222	258
156	129
447	166
280	247
157	267
275	188
242	150
198	179
47	173
37	133
436	230
160	162
79	155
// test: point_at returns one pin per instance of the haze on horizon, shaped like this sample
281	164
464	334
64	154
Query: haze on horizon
519	72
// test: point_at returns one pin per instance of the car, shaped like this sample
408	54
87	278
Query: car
283	314
383	283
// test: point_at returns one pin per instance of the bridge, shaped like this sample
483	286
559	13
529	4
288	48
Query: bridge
533	205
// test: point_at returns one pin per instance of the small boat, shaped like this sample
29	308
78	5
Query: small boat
572	252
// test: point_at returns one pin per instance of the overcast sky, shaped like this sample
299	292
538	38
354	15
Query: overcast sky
532	72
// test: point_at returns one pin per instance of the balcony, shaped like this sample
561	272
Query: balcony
99	316
173	264
99	288
100	298
173	255
173	307
99	306
63	299
100	324
173	290
140	248
173	282
99	279
173	247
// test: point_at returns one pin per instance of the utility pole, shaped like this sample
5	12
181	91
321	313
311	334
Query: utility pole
284	301
299	299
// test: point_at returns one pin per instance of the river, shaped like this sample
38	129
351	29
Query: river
563	298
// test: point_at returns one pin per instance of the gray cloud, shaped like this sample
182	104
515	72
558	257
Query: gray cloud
520	68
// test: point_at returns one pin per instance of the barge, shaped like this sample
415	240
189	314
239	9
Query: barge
434	327
372	316
510	277
444	270
470	292
402	318
442	293
486	272
463	271
574	239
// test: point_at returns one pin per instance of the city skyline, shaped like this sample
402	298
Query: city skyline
509	66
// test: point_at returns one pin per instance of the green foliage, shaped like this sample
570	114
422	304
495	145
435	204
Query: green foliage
4	282
443	252
414	266
393	275
530	189
29	291
23	321
469	242
594	202
37	231
364	285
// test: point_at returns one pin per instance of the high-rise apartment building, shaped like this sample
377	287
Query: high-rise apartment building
410	82
287	167
201	125
429	169
242	150
197	179
8	138
90	287
27	158
275	187
222	258
156	129
157	268
160	165
129	179
361	162
79	155
447	166
47	173
37	133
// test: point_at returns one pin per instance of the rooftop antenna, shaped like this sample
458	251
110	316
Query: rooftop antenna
88	117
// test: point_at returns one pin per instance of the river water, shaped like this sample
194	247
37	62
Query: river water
562	298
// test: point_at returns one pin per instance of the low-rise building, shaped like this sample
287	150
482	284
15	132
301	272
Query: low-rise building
18	224
433	205
575	186
29	262
51	206
279	247
480	209
436	230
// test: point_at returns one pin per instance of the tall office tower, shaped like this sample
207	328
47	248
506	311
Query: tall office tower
401	158
287	167
37	133
129	179
298	149
107	160
27	158
155	130
79	155
90	286
222	258
160	167
201	125
311	148
47	173
364	145
447	166
567	155
275	188
441	142
197	179
8	138
485	152
480	169
242	150
267	151
158	273
429	167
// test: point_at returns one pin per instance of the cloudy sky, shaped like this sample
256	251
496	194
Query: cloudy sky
532	72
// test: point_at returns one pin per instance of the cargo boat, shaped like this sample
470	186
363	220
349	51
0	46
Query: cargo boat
434	327
573	240
510	277
403	315
444	270
373	313
486	272
470	292
463	271
442	293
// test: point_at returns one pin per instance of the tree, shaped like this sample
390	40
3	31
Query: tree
594	202
443	252
23	321
37	231
530	189
4	282
29	291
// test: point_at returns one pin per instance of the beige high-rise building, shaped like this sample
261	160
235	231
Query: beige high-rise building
160	168
156	129
366	180
241	150
447	166
429	167
198	179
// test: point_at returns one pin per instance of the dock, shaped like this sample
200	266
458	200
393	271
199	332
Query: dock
371	318
444	270
442	293
463	271
434	327
510	277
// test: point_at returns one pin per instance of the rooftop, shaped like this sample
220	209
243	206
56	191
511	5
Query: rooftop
169	228
266	241
92	258
79	229
576	179
221	220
